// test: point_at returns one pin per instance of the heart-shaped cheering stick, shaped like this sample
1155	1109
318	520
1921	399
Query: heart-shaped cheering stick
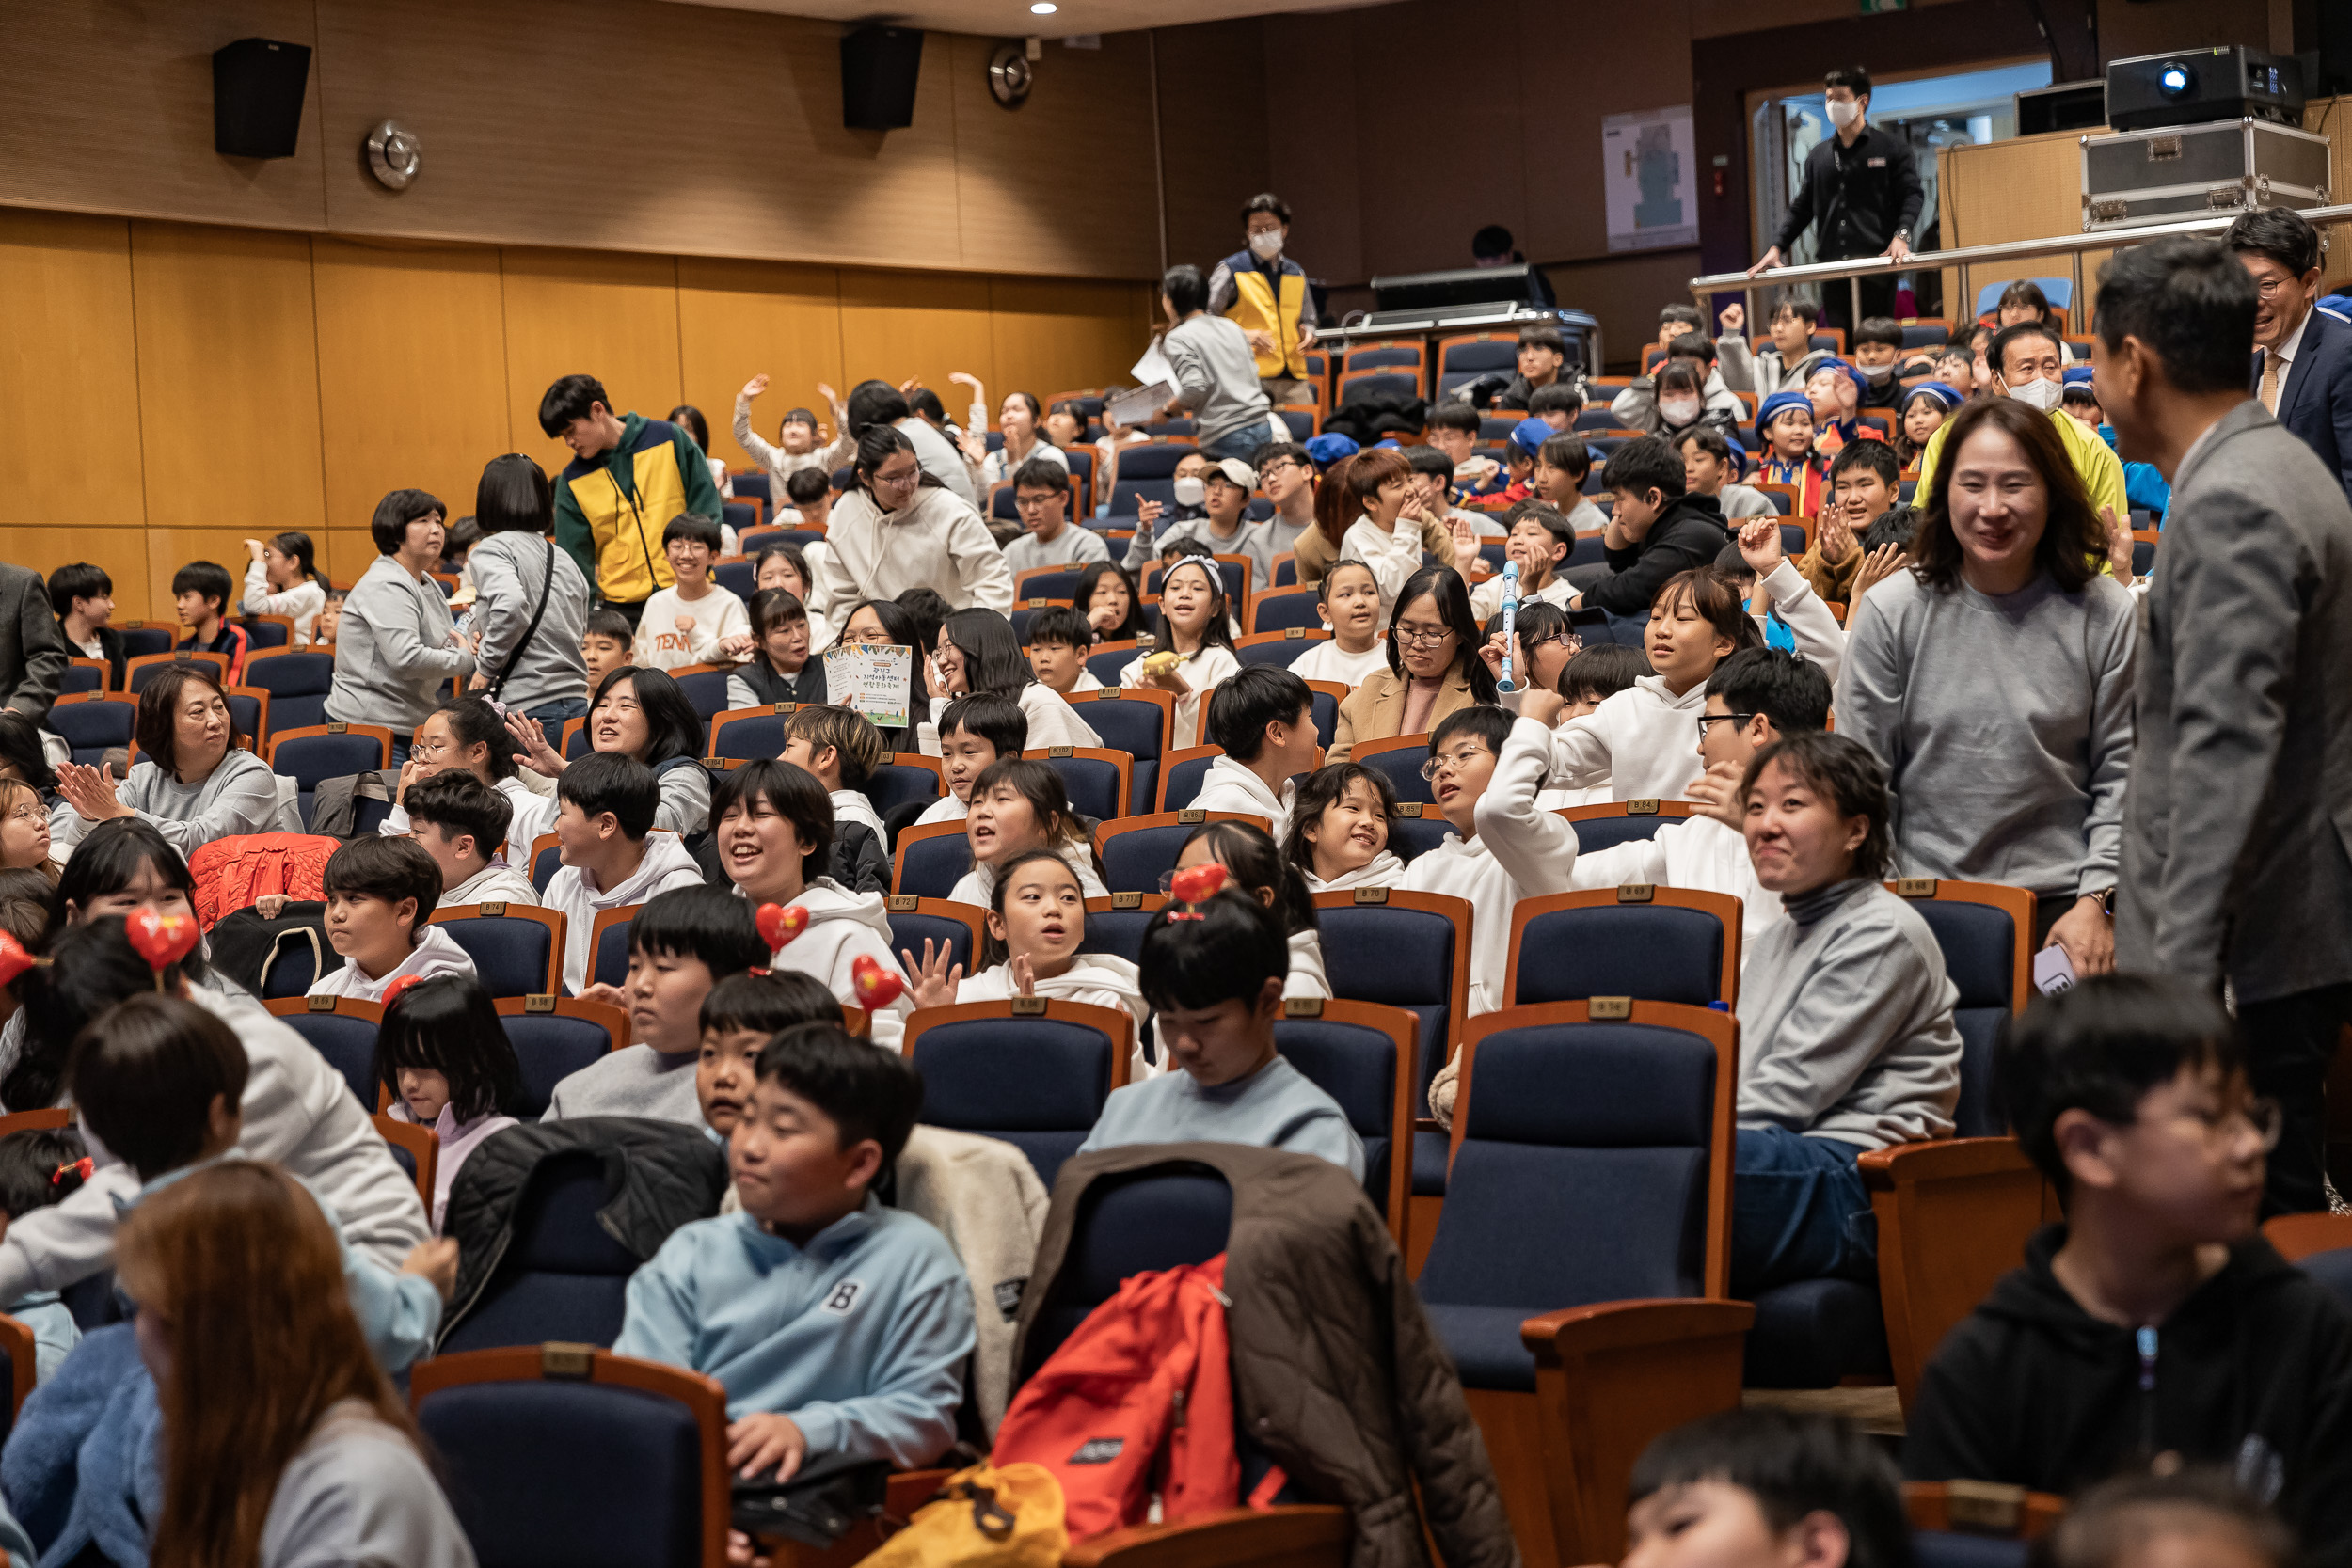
778	924
1198	883
877	985
162	939
392	993
14	960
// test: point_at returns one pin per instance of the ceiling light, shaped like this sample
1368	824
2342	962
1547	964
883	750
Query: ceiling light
1043	8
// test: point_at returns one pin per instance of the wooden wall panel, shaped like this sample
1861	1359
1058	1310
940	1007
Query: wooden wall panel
67	371
895	325
1056	337
741	319
121	552
1215	162
346	552
170	548
610	316
228	380
412	373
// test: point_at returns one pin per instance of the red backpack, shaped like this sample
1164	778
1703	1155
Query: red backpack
232	873
1138	1400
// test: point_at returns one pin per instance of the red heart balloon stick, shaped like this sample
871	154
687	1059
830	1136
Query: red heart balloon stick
778	924
877	985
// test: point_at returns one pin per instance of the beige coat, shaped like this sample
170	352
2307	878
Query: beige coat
1376	710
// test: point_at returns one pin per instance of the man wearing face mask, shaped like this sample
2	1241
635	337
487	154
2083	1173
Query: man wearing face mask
1861	195
1267	293
2028	363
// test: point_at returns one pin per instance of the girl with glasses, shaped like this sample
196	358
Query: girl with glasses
898	527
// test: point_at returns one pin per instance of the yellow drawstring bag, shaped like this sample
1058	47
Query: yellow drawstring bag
983	1517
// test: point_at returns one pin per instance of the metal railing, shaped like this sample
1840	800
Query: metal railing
2070	246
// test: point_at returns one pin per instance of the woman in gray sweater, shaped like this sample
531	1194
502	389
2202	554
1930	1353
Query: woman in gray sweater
1846	1033
1993	679
532	603
396	643
194	780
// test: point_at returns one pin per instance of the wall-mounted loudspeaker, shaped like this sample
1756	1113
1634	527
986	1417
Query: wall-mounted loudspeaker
879	66
257	97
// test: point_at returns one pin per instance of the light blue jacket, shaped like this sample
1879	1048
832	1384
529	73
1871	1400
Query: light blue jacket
859	1337
1276	1107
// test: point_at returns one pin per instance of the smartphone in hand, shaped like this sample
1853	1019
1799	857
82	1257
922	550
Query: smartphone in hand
2052	971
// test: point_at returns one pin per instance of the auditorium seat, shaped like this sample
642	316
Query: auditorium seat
1652	944
1029	1071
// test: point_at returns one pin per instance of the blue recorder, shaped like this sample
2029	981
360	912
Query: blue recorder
1510	613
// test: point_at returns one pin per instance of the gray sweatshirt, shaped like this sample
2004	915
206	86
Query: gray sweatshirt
1075	546
358	1492
1846	1021
238	797
510	570
1275	1107
634	1081
1217	376
392	650
2005	724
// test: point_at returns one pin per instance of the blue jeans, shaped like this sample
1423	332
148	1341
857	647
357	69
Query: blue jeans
551	717
1244	443
1798	1211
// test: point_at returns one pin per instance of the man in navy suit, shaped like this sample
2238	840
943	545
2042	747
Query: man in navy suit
2302	368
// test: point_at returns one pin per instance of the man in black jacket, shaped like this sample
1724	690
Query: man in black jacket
1861	192
1655	529
2156	1327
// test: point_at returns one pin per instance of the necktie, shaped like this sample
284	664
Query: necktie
2270	380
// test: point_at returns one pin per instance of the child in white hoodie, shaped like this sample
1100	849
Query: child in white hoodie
380	893
1485	769
1639	741
612	856
1036	925
1339	834
978	652
975	732
840	748
1019	805
1264	720
773	828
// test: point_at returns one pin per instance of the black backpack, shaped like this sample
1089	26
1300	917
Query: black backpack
275	958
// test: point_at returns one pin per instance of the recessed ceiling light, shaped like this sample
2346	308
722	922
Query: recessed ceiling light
1043	8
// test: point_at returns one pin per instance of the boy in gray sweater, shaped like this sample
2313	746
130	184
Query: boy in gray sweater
1846	1034
1217	376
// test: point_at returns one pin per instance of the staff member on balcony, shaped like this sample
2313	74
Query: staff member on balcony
1266	292
1860	194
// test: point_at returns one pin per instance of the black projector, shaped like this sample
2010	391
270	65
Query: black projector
2192	87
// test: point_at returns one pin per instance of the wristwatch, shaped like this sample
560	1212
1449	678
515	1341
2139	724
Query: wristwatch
2106	901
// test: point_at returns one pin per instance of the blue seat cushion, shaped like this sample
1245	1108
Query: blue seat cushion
1486	1345
1815	1334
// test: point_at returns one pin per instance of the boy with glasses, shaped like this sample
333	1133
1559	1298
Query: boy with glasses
1040	491
2154	1327
1287	475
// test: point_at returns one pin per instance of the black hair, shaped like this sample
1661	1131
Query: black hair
896	622
1429	460
1040	785
993	717
1535	620
109	859
1317	792
793	556
1443	585
1844	771
612	782
1679	375
1686	314
1256	864
2190	301
1645	464
994	952
796	796
1879	329
297	546
1481	721
695	528
39	1166
380	865
1061	624
1712	441
611	623
1694	346
513	495
1792	1464
21	754
2100	1047
1850	76
1247	701
1322	583
803	486
1561	397
208	578
459	535
1877	456
2027	292
475	722
1218	632
448	1024
924	402
155	726
1039	473
2116	1521
389	526
1790	690
570	398
2071	529
2282	233
705	923
1187	291
145	1073
1803	309
460	805
879	445
1997	352
1084	594
1227	955
1568	452
1544	336
1603	670
867	1093
1455	414
871	403
1899	524
993	661
766	1000
672	728
79	581
1494	242
930	610
94	967
769	608
1266	201
690	418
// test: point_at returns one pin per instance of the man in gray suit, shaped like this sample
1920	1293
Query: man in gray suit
33	653
2238	815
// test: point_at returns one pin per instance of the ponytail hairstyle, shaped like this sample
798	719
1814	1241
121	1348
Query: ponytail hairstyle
298	545
1259	869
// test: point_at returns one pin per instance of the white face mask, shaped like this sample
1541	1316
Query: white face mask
1266	244
1679	411
1191	492
1876	373
1843	114
2044	395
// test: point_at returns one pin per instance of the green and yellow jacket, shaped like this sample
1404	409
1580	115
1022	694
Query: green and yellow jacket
610	510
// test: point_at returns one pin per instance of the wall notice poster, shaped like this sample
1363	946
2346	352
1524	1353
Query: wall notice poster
876	682
1649	180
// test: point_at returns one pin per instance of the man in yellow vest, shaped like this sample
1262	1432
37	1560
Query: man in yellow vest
1266	292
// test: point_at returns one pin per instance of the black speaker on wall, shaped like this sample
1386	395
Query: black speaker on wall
879	66
257	97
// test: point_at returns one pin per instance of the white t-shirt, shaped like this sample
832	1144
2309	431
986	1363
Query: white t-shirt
717	616
1328	661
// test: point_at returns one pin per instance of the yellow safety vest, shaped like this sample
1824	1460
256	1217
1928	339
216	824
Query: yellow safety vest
1259	308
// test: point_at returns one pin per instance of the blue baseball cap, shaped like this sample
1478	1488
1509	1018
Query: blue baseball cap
1531	434
1327	449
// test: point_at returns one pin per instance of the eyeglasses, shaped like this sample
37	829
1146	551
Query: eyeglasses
1036	503
427	751
1707	718
1460	757
2268	288
2262	1114
1422	637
